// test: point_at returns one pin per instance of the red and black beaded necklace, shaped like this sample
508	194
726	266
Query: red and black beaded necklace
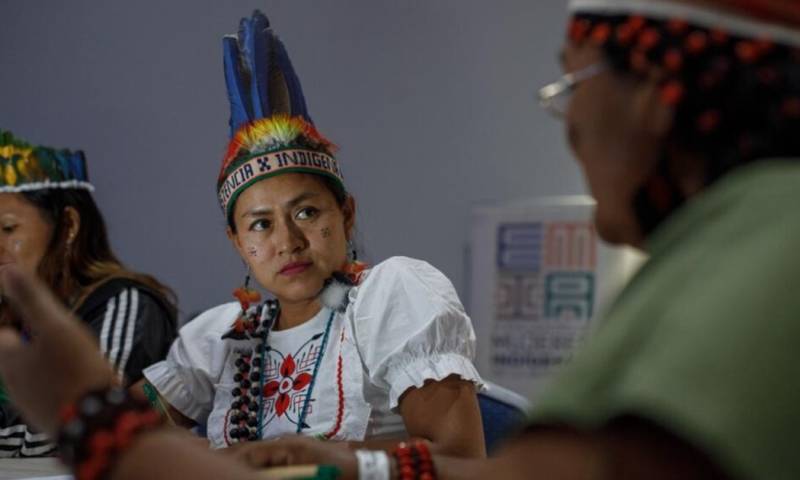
244	421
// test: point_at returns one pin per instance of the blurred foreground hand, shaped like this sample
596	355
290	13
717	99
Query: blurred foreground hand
60	361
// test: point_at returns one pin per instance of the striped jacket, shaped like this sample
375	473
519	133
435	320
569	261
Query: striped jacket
135	329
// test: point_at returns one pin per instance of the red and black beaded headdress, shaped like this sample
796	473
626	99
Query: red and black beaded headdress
663	33
730	69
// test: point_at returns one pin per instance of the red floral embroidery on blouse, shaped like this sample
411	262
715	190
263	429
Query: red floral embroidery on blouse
286	384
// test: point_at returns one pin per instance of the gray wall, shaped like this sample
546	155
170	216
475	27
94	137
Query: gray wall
432	103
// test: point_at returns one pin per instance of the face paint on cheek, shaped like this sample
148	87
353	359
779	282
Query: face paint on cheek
16	246
252	252
326	232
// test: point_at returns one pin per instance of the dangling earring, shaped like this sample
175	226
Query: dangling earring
247	279
353	268
66	279
352	253
245	294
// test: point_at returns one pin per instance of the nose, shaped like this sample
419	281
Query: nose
290	238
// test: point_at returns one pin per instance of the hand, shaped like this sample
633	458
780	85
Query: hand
297	450
58	364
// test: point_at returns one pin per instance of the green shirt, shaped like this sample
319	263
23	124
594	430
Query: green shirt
705	340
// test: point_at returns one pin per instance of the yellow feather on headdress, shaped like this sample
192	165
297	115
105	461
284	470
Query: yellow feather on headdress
10	174
8	151
274	132
22	167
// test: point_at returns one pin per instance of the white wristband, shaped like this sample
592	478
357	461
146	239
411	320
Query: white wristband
373	465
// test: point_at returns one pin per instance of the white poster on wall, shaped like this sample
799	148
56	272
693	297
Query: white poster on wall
539	277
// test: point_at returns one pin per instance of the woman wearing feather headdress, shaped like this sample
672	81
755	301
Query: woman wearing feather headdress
50	224
343	352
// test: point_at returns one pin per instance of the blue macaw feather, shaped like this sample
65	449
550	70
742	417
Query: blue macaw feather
241	35
63	162
245	61
79	166
296	98
236	82
250	59
258	39
46	163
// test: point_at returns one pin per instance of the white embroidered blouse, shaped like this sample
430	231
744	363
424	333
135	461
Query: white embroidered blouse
403	325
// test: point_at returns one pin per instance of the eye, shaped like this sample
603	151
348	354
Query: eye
260	225
306	213
9	228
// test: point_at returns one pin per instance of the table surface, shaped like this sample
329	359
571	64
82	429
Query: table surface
19	468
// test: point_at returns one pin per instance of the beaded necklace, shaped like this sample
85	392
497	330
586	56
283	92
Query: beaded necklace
247	415
243	413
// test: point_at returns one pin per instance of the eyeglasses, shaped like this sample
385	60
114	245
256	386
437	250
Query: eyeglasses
554	98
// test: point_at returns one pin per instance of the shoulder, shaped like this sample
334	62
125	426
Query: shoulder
398	271
402	265
407	288
124	292
213	322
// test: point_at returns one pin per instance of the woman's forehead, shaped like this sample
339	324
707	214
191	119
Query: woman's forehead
14	202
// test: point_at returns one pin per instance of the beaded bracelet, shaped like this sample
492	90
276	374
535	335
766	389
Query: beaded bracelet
414	461
98	427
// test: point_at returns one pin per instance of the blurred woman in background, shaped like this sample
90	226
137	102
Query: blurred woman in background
50	224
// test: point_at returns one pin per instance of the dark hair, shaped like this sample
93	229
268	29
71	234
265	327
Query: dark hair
75	271
332	185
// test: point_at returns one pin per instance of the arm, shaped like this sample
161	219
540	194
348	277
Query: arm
416	344
166	455
173	416
61	362
629	449
445	413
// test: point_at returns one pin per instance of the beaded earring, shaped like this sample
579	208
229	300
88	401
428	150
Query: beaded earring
353	268
352	253
245	294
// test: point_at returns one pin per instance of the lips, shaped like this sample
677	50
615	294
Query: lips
295	268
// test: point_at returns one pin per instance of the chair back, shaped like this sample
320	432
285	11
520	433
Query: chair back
503	412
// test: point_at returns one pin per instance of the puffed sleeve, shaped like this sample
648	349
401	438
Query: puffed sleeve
410	326
186	378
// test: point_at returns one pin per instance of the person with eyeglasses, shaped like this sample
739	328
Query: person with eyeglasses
684	117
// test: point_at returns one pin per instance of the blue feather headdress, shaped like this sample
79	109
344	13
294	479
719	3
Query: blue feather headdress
270	127
24	167
259	75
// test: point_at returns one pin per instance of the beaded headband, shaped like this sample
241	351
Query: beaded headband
729	77
667	36
24	167
271	130
272	146
765	21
